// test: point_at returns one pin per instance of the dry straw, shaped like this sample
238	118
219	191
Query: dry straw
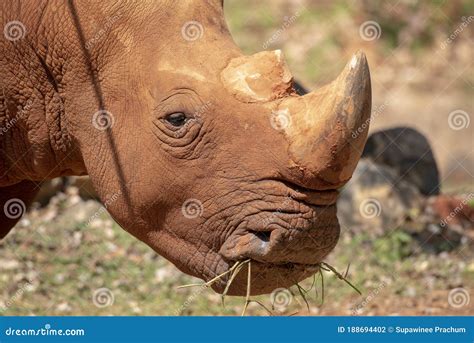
239	265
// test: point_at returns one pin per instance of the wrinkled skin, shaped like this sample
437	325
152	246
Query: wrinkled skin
261	193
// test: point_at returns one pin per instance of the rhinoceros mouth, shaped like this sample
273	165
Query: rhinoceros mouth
265	277
302	234
303	245
300	229
288	247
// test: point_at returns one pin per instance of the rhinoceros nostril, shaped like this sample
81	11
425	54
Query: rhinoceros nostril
264	236
259	243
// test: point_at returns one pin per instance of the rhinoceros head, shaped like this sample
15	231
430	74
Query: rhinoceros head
216	158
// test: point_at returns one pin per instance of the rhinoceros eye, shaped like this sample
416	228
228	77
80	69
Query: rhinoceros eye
177	119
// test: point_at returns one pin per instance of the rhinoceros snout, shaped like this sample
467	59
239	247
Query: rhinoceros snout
283	256
303	237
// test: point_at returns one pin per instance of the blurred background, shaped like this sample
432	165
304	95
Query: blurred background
406	217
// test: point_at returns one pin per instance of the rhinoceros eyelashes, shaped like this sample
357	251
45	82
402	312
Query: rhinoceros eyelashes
176	122
177	125
177	119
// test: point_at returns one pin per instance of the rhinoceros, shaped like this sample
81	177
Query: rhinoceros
207	155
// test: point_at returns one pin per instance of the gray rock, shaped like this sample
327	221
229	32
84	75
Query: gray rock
375	199
409	154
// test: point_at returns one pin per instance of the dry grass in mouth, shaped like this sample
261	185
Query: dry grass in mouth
220	276
237	267
327	267
303	292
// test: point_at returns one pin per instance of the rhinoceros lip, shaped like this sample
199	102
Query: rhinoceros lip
259	284
288	265
267	245
318	198
304	194
233	251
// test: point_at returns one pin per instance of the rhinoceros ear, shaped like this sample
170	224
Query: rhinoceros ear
262	77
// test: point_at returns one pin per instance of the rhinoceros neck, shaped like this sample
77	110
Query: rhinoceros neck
35	143
35	138
47	94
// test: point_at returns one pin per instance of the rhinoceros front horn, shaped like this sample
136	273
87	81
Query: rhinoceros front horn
327	128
